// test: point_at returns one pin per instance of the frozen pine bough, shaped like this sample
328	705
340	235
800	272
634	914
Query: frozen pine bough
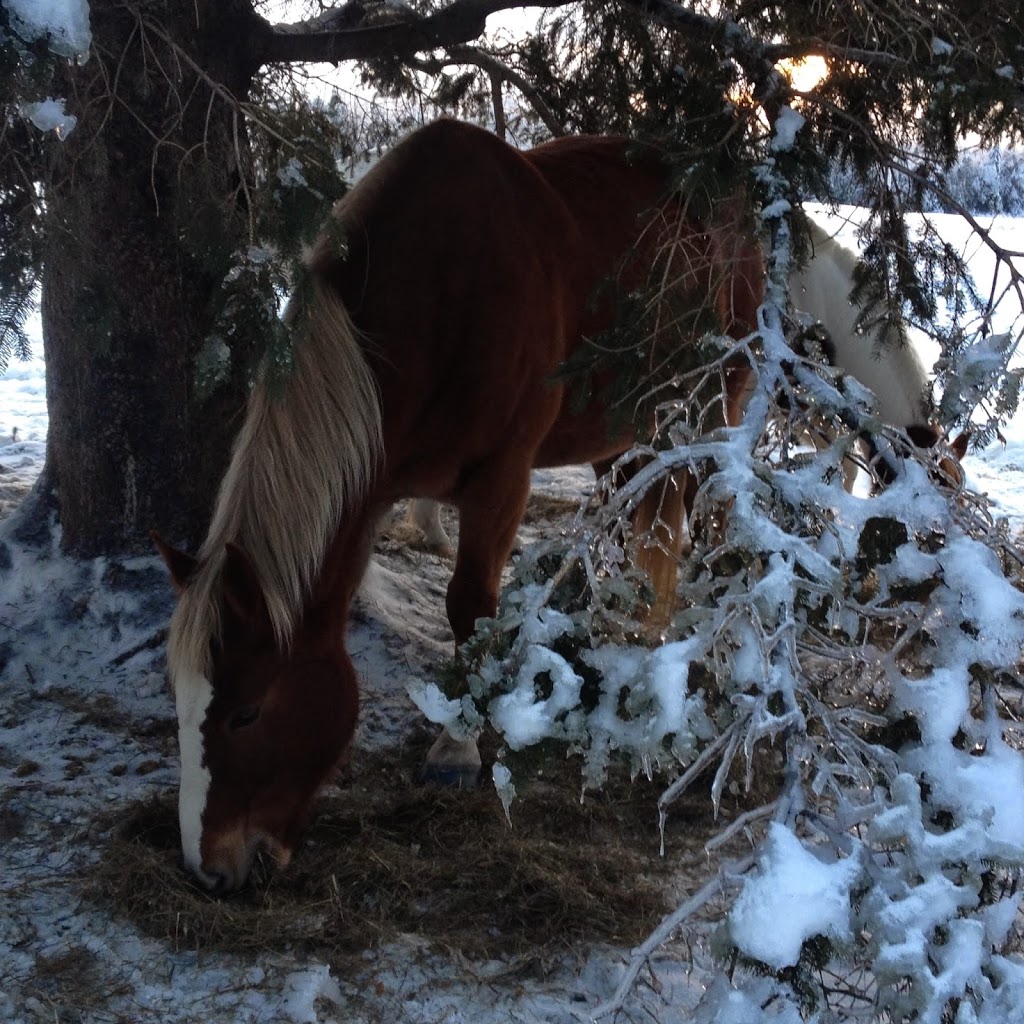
876	656
854	660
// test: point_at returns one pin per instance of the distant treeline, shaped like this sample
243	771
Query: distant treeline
983	181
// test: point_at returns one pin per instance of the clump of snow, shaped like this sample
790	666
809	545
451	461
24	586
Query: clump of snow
212	363
776	209
291	174
758	1000
302	991
49	116
66	22
973	370
524	718
787	124
792	897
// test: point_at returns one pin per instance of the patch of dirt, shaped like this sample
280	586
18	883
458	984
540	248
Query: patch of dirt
12	493
397	535
546	509
12	819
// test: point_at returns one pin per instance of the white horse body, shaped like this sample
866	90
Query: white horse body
895	374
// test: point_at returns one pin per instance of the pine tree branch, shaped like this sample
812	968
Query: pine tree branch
498	104
969	66
497	69
748	51
758	59
363	31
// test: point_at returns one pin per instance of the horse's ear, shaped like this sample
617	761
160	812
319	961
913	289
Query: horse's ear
243	593
958	445
180	563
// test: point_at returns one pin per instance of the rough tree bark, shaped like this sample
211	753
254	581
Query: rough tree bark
125	303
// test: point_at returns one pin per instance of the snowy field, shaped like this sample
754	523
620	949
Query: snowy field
87	729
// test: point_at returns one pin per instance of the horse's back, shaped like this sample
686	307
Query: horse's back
642	240
455	271
473	270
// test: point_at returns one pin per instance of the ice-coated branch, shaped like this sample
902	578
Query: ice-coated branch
740	824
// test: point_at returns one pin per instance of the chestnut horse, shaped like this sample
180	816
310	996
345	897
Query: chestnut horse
449	287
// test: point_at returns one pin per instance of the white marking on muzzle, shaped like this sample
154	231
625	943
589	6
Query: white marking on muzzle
192	697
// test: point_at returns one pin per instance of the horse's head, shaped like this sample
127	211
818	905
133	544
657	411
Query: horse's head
260	730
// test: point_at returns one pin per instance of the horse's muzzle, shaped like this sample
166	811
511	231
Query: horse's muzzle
228	867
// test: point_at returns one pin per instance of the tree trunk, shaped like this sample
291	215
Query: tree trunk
135	256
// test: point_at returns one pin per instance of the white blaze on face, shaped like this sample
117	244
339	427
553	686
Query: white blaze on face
192	697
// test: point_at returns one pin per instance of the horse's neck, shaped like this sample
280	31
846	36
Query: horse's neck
894	373
339	577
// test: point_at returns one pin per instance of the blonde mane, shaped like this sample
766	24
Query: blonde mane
306	453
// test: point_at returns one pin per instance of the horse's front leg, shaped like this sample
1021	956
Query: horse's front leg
490	510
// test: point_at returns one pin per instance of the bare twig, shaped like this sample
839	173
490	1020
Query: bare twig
154	640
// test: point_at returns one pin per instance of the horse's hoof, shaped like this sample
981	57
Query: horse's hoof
454	764
450	776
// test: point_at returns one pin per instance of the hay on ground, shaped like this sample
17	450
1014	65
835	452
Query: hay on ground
385	857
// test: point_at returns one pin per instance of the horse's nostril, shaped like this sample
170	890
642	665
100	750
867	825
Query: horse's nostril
217	882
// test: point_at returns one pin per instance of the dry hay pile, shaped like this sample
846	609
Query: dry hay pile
385	857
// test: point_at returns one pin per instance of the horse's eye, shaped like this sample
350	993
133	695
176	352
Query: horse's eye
243	718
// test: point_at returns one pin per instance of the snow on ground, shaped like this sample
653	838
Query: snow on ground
87	727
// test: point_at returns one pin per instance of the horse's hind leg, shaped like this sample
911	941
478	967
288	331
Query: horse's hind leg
661	531
425	515
490	510
660	526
